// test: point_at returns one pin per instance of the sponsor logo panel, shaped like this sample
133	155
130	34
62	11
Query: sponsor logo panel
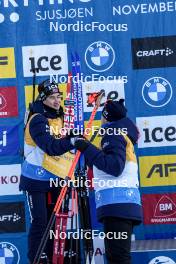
157	131
162	260
154	52
157	92
9	140
159	208
7	63
9	179
9	253
48	59
12	217
116	92
8	102
157	170
26	3
99	56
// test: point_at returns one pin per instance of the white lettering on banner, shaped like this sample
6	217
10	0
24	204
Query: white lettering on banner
160	52
3	142
64	13
144	8
10	218
165	207
15	3
157	131
49	59
9	179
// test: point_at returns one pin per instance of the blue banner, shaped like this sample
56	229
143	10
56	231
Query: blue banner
127	50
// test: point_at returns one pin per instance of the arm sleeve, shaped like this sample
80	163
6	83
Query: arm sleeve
38	129
111	159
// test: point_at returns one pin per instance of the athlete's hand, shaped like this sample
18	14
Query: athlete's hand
80	143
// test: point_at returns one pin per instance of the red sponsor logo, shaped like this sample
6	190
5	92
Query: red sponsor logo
8	102
159	208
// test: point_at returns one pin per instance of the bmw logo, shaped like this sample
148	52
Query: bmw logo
9	254
162	259
99	56
40	172
157	92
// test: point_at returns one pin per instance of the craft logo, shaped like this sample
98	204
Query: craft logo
12	217
157	92
157	131
9	140
157	170
162	260
8	102
155	52
9	179
159	208
48	59
9	254
99	56
7	63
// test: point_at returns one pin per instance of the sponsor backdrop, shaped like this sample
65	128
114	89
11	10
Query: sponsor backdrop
127	49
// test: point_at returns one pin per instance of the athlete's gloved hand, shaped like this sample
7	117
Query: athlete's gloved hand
80	143
72	133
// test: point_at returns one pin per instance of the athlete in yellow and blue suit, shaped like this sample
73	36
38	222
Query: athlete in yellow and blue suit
39	145
116	183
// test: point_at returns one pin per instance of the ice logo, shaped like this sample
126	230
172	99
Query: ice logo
162	260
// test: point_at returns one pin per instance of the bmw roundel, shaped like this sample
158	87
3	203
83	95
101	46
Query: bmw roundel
99	56
9	254
162	260
157	91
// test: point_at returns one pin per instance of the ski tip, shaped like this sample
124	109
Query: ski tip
93	260
87	259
